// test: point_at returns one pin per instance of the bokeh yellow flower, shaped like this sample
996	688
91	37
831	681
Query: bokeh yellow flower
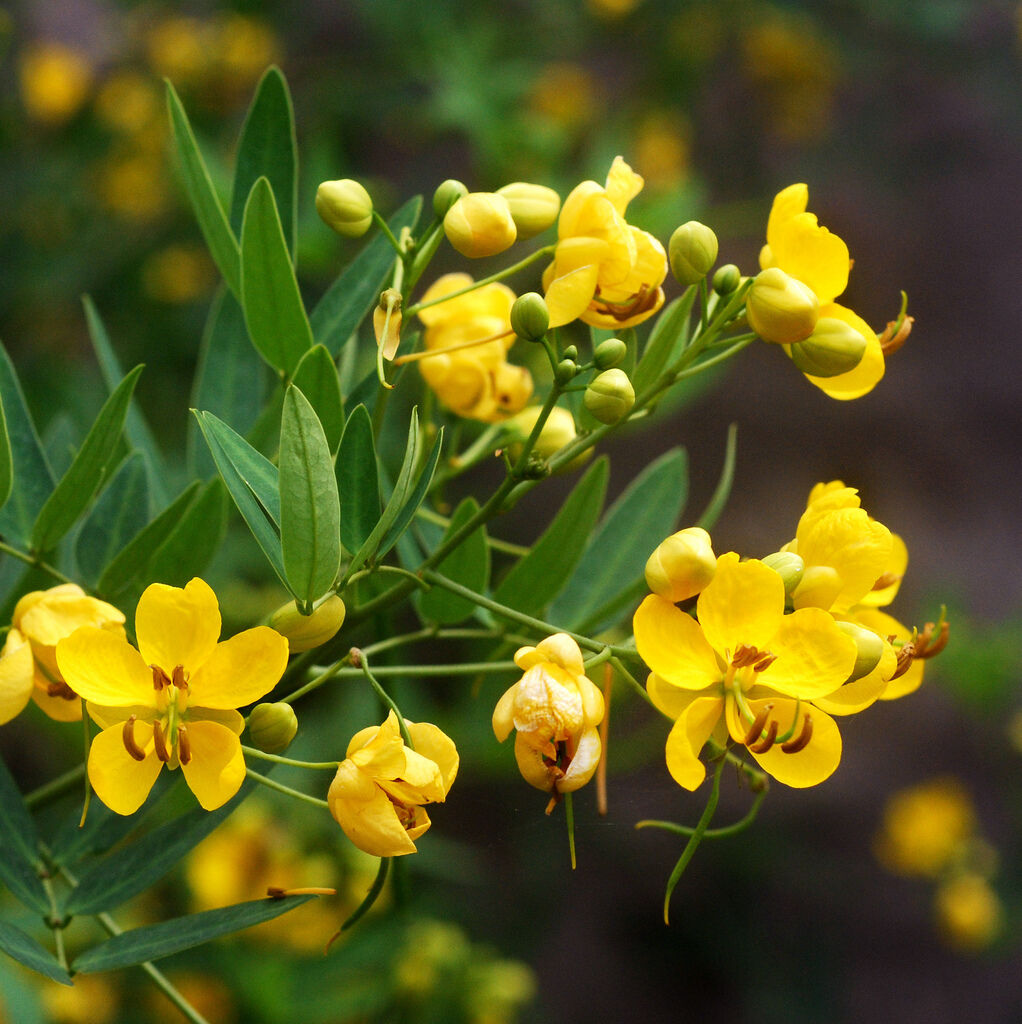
55	81
969	913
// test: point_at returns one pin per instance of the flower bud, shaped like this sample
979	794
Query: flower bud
272	727
869	648
387	322
726	279
534	208
480	224
446	195
833	348
692	251
788	566
566	370
529	316
780	308
570	352
303	632
682	566
610	396
558	431
345	206
609	353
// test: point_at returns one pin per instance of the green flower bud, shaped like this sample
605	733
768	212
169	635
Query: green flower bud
609	353
272	727
780	308
345	206
304	632
833	348
869	648
726	279
529	316
610	396
566	370
788	566
446	195
692	251
570	352
534	208
480	224
681	566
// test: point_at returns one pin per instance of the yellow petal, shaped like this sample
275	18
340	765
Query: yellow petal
814	657
583	764
371	824
568	223
856	696
687	738
177	626
435	744
104	668
860	381
60	709
16	675
503	714
788	203
121	782
673	645
228	718
811	765
895	568
56	616
623	184
442	286
535	768
568	297
563	651
217	767
240	670
886	625
743	604
669	699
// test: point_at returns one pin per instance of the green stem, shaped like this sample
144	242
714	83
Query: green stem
34	560
631	680
387	700
56	923
495	543
370	897
286	790
56	788
569	817
742	342
277	759
385	228
710	833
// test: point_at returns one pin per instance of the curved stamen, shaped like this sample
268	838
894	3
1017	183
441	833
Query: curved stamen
161	742
790	731
801	741
160	679
179	679
765	661
184	745
128	737
757	725
767	742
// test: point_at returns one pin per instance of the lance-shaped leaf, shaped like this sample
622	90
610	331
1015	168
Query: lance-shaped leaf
358	482
615	557
159	940
415	498
6	459
317	379
274	314
709	516
223	246
79	484
669	332
194	541
18	846
468	564
310	513
345	304
22	947
538	577
32	477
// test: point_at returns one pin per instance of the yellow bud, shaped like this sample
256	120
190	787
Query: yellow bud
304	632
788	566
692	251
345	206
681	566
833	348
780	308
530	317
869	649
446	195
610	396
818	588
272	727
534	208
558	431
480	224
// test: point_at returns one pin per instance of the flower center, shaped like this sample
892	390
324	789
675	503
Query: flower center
169	730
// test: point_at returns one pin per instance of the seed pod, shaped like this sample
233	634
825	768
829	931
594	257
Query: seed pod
345	206
272	727
610	396
692	251
780	308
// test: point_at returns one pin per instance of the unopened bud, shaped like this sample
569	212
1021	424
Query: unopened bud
530	317
726	279
609	353
272	727
833	348
534	208
345	206
780	308
570	352
610	396
788	566
692	251
869	649
566	370
558	431
682	566
480	224
304	632
446	195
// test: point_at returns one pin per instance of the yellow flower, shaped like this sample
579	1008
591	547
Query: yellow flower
28	663
171	702
747	670
378	793
798	245
555	710
969	913
605	272
55	81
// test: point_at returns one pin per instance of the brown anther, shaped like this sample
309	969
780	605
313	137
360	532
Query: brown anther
801	741
765	661
184	745
757	725
894	336
887	580
926	646
61	690
161	743
160	678
128	737
767	742
744	656
645	298
178	679
905	656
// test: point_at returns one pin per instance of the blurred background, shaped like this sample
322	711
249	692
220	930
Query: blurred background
904	118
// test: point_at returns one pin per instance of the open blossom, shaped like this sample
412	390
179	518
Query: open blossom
555	710
380	789
605	272
28	662
173	701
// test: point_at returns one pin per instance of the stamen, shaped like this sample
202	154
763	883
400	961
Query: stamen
765	661
61	690
128	737
757	725
160	679
887	580
895	334
929	647
744	656
161	742
767	742
905	656
184	745
801	741
179	679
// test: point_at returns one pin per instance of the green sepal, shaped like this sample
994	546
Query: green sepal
468	564
316	376
415	498
358	482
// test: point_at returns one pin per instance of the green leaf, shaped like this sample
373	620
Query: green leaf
6	459
79	484
317	379
538	577
126	566
345	304
721	493
22	947
310	512
358	483
223	246
18	845
671	327
194	541
119	514
33	479
274	313
160	940
268	149
615	557
415	498
468	564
